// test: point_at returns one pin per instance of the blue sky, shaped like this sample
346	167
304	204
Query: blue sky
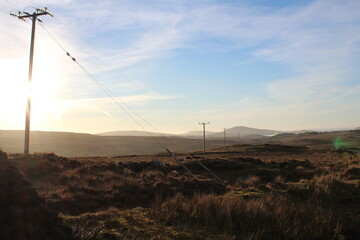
284	65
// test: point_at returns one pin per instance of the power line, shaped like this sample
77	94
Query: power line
124	103
128	74
107	91
123	106
112	95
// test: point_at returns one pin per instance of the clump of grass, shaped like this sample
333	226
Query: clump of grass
352	172
331	190
280	179
252	181
266	217
326	183
331	185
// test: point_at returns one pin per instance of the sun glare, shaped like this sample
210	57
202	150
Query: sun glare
15	90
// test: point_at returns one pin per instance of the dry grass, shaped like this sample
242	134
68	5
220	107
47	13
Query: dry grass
136	223
329	188
252	181
266	217
328	184
280	196
74	187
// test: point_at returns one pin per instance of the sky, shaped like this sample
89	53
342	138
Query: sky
282	65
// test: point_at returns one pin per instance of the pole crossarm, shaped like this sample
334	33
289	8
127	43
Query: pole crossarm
37	13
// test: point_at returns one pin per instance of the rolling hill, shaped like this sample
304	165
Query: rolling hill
82	145
231	132
133	133
245	131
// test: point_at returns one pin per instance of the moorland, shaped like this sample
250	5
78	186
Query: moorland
289	186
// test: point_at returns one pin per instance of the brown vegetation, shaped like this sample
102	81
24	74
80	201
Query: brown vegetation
269	191
74	187
23	215
269	216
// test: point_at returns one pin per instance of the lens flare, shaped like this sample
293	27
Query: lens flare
338	143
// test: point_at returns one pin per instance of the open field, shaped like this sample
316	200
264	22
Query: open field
304	189
88	145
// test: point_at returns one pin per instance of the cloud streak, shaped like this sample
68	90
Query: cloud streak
318	42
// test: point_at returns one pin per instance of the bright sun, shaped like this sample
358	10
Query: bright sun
15	89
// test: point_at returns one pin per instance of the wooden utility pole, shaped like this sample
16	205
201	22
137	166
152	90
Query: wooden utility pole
34	17
204	123
224	140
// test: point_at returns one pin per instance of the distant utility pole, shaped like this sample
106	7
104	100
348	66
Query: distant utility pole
34	16
224	140
204	123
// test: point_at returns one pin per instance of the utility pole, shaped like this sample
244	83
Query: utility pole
224	140
204	123
34	17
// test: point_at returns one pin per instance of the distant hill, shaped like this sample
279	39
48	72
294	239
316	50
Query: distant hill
234	132
82	145
302	131
196	134
245	131
133	133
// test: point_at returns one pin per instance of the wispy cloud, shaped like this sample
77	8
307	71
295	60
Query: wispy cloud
318	36
313	38
319	42
208	111
136	98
